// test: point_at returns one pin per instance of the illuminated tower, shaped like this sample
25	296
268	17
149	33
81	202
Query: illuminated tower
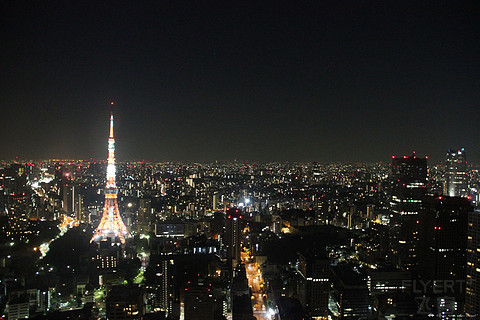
111	226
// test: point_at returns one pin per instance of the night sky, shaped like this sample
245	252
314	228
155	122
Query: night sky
202	81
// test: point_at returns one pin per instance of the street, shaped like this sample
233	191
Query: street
255	282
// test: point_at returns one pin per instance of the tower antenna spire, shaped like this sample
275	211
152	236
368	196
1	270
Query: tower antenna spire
111	119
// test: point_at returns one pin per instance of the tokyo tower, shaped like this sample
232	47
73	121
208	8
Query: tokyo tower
111	226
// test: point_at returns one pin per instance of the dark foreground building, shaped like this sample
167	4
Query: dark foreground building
290	309
199	303
442	250
408	189
350	293
314	282
125	303
472	299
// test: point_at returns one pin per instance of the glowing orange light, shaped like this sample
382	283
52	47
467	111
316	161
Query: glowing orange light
111	223
111	103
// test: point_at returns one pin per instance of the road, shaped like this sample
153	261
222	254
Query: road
255	281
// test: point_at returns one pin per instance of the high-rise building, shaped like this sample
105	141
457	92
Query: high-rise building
145	217
242	308
111	226
370	212
408	189
68	190
349	293
78	208
456	181
442	247
107	256
314	283
199	303
240	295
472	299
145	210
160	280
233	232
409	182
289	308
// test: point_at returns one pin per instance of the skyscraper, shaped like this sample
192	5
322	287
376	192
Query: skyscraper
233	229
314	282
442	247
408	189
472	299
160	279
409	181
78	209
349	293
111	226
456	182
199	303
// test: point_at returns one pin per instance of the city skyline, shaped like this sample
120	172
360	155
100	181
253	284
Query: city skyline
263	82
238	241
275	160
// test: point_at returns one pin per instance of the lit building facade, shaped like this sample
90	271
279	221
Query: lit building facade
161	282
456	180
